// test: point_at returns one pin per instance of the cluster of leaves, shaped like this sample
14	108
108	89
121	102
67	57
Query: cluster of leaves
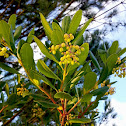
62	98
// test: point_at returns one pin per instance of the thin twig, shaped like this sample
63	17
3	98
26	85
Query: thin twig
3	108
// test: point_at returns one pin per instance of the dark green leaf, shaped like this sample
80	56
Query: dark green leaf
100	91
11	99
94	60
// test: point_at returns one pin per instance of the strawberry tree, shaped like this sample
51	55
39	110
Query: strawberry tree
58	96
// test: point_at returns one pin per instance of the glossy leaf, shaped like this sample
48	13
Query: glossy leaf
89	81
46	26
17	33
121	52
65	23
5	31
94	60
44	69
44	50
100	91
12	21
7	68
111	61
80	33
80	120
113	48
75	22
57	34
63	95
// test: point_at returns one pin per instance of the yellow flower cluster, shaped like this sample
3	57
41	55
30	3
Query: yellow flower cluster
111	90
70	52
21	90
3	52
37	111
120	71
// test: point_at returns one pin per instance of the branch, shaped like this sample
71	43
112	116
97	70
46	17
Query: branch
3	108
21	110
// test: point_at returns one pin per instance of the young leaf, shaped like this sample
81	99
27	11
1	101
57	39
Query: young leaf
57	34
12	21
46	26
44	50
94	60
113	48
89	81
80	120
5	31
65	23
63	95
17	32
75	22
7	68
7	89
80	33
44	69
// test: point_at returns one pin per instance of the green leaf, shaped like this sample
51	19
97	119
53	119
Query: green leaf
80	120
21	42
5	31
57	34
38	76
7	89
38	96
44	69
17	32
44	50
103	55
46	26
113	48
94	60
75	22
65	23
79	41
121	52
7	68
26	54
30	36
103	74
80	33
12	21
11	99
12	43
47	104
2	98
72	101
100	91
89	81
86	97
63	95
111	61
2	83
